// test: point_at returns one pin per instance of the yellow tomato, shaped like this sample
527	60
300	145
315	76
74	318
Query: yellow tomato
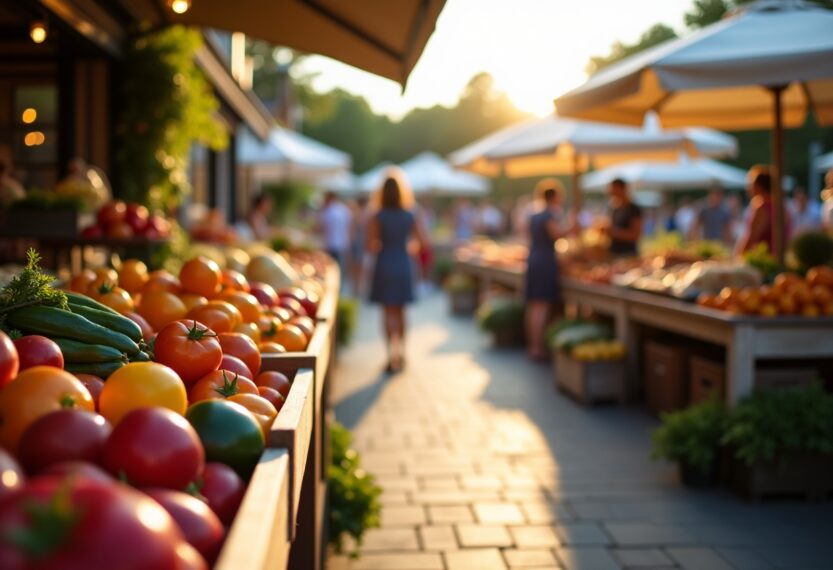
142	385
250	330
261	408
133	275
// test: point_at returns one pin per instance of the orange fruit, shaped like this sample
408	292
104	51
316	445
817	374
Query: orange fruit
234	280
750	300
160	308
214	318
706	300
246	303
801	292
784	280
820	275
271	348
291	338
80	283
104	277
283	315
821	295
117	299
827	310
768	294
133	275
201	276
787	304
190	300
161	280
768	310
809	311
232	311
306	324
250	330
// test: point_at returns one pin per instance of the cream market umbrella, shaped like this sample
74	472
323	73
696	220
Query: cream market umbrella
684	174
380	36
764	67
286	154
824	162
428	173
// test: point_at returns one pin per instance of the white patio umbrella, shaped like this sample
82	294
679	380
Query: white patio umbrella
371	180
764	67
342	183
824	162
293	150
685	174
428	173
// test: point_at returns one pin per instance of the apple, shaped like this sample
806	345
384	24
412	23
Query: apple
136	217
158	226
294	292
92	232
310	303
111	214
121	230
292	305
264	293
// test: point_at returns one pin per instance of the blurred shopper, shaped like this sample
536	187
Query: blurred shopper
464	220
685	217
542	276
334	222
489	220
524	208
10	189
390	232
805	213
358	239
258	218
426	218
759	227
624	227
827	201
734	205
714	222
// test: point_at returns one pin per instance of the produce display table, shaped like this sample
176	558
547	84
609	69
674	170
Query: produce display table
70	251
746	338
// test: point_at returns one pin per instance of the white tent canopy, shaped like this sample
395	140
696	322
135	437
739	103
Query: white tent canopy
293	151
824	162
342	183
428	173
685	174
371	180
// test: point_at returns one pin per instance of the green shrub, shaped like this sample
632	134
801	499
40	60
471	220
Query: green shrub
443	266
281	243
460	283
288	198
500	314
347	312
769	425
812	248
570	333
691	436
353	495
760	258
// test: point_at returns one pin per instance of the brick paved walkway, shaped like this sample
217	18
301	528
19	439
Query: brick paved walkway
484	466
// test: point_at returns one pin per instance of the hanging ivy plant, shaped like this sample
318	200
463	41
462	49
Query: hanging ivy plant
168	106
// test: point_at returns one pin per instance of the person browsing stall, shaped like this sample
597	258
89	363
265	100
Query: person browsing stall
625	225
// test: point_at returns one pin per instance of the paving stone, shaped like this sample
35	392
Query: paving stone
642	558
698	559
409	561
385	539
587	559
477	535
745	558
394	498
581	533
498	513
540	512
397	484
648	534
534	536
438	538
403	516
481	482
444	483
475	559
528	558
451	497
450	514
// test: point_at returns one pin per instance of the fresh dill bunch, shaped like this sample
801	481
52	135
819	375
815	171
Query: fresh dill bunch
31	287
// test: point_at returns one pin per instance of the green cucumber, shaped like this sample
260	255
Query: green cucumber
142	356
109	320
100	369
77	351
55	322
85	301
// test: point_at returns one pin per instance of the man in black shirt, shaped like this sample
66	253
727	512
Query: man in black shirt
625	225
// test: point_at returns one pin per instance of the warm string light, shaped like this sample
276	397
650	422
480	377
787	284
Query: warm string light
29	115
34	138
37	31
180	6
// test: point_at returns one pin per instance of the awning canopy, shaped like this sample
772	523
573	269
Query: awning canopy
380	36
428	173
824	162
288	147
685	174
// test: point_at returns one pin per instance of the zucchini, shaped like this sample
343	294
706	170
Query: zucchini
142	356
109	320
55	322
77	351
100	369
85	301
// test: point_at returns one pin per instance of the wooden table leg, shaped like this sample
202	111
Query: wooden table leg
741	364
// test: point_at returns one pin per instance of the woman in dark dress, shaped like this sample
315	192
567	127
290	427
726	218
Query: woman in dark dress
542	282
390	234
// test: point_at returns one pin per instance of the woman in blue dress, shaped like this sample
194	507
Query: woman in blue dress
391	232
542	282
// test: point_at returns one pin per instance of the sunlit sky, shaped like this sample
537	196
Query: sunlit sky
535	49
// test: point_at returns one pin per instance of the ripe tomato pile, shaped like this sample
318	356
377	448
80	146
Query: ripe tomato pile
146	465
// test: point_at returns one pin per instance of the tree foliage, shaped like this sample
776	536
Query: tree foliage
655	35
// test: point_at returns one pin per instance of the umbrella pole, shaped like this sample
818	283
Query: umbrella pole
779	237
576	189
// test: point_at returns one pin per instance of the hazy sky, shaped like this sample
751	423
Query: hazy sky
535	49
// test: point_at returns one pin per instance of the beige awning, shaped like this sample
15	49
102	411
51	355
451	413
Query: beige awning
385	37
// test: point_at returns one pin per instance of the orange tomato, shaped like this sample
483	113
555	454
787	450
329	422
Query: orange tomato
784	280
190	300
801	292
147	330
787	304
306	324
201	276
820	275
827	310
80	283
292	338
229	309
160	308
220	384
750	300
161	280
117	299
809	311
250	330
768	294
281	313
215	319
271	348
34	393
105	278
822	296
133	275
246	303
234	280
243	347
268	325
261	408
706	300
768	310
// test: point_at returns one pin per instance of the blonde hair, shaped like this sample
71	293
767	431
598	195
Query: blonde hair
394	191
548	184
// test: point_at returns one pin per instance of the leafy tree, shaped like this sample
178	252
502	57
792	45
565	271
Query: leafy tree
706	12
655	35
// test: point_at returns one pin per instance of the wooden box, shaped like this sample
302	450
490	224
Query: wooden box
808	475
666	377
705	377
589	382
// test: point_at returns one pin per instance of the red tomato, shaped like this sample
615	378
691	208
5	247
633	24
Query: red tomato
276	380
155	447
111	214
93	384
136	217
293	305
264	293
198	523
110	526
65	435
243	347
36	350
235	365
220	384
11	474
147	330
9	360
80	470
223	490
190	348
272	396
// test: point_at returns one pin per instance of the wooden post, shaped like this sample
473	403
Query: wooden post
778	209
576	187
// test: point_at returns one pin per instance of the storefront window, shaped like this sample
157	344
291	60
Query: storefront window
34	134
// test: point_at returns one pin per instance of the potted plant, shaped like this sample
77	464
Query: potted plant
462	293
781	442
503	317
692	438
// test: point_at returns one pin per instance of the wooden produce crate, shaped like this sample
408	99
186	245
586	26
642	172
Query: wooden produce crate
705	379
258	538
328	304
589	382
294	430
666	377
806	475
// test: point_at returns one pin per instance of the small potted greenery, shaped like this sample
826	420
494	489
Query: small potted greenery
692	438
503	317
462	293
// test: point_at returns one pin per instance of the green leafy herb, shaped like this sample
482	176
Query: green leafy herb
692	436
31	287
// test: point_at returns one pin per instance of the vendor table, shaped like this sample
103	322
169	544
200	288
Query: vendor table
746	338
69	252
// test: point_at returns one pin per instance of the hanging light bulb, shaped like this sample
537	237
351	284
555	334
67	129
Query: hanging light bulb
179	6
37	31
